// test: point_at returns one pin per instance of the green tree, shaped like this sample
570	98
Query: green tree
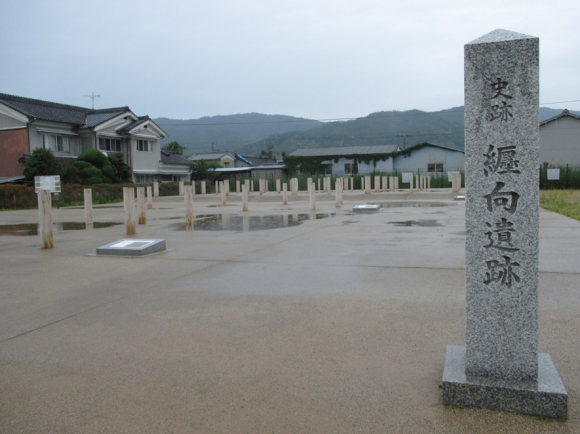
122	171
174	147
93	167
41	162
205	170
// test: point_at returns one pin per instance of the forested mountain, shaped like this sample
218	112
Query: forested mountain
253	132
229	132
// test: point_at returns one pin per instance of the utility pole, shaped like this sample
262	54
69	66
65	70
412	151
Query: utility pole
93	96
404	136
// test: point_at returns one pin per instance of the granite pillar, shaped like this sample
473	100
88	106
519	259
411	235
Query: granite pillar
500	367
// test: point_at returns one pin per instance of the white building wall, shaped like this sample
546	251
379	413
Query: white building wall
560	142
419	160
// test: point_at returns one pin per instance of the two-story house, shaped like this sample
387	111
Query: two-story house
27	124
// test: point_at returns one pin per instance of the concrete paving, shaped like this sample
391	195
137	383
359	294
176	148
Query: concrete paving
336	325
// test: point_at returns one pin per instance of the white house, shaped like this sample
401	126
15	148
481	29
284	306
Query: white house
27	124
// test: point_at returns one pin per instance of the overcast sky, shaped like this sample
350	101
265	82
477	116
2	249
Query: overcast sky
307	58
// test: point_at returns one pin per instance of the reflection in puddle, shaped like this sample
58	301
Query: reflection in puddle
410	204
235	222
32	228
422	223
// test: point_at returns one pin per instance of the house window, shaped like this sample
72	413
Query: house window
143	146
435	167
226	164
56	143
143	179
113	145
350	168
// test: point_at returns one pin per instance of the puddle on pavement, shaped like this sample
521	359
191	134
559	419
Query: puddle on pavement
32	228
409	204
233	222
420	223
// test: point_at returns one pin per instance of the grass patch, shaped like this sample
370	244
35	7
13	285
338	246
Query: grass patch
565	202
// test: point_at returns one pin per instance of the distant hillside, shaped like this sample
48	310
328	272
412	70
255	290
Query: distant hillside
252	132
229	132
405	129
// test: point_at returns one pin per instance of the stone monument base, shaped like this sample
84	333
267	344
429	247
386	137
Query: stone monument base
546	398
132	248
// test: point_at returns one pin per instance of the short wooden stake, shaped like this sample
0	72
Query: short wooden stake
88	208
149	199
141	205
129	205
45	219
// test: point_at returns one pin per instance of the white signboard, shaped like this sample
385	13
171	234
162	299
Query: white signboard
450	175
51	183
406	177
554	174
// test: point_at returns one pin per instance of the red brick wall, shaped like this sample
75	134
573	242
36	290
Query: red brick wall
13	143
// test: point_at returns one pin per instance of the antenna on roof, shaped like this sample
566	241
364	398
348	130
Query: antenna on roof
93	96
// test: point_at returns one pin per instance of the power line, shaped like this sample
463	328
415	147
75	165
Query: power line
393	115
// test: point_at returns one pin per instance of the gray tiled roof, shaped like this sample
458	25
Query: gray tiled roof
565	112
99	116
209	156
171	158
52	111
346	150
256	161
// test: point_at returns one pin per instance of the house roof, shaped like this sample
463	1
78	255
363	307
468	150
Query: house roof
256	161
346	150
79	116
96	117
209	156
52	111
172	158
564	113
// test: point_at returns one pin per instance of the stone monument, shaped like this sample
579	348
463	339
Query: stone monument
500	367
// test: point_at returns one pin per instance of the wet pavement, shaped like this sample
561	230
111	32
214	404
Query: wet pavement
336	324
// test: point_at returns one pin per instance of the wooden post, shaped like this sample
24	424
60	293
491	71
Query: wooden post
285	194
237	186
352	183
149	199
203	190
193	188
385	184
247	184
411	182
312	193
367	185
245	198
45	219
261	186
429	183
155	189
188	198
180	188
222	189
337	195
278	185
318	184
129	205
227	186
308	184
88	208
326	188
217	188
377	184
141	205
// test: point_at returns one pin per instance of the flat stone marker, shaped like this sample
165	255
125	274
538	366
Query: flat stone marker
132	248
366	208
500	367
